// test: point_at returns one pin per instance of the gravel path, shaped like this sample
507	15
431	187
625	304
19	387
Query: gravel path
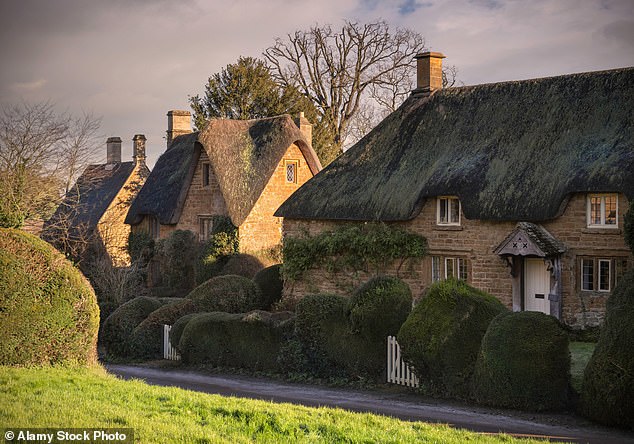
397	404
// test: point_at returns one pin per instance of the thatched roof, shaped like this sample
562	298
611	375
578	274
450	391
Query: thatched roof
88	200
509	151
243	155
168	182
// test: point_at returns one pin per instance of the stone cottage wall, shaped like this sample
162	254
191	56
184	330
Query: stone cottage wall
475	241
261	230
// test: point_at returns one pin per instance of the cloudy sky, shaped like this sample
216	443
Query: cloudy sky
130	62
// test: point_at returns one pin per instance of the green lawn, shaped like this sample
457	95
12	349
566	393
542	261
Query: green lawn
580	353
58	397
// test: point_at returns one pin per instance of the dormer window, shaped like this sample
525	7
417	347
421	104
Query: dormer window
603	210
448	211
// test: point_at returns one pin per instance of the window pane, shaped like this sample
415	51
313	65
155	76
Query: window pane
610	210
595	211
587	274
435	268
205	174
462	269
290	172
449	268
455	211
604	275
443	211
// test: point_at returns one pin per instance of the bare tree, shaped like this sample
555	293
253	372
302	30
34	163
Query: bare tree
336	69
41	152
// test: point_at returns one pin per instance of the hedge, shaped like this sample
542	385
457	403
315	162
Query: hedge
178	327
231	294
441	337
524	363
48	310
320	318
118	327
243	265
607	394
146	340
270	283
250	340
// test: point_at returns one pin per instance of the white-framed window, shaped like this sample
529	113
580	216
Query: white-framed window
206	173
603	210
448	267
205	224
601	274
448	211
290	170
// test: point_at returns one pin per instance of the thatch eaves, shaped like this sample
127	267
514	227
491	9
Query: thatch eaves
166	187
85	203
245	153
509	151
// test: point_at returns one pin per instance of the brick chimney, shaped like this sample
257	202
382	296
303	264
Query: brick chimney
305	127
178	123
138	148
113	150
428	73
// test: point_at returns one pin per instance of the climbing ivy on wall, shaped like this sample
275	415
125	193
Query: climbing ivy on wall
360	247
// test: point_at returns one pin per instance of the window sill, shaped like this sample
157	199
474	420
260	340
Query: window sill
448	228
602	230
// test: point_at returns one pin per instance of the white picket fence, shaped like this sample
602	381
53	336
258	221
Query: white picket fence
169	352
398	372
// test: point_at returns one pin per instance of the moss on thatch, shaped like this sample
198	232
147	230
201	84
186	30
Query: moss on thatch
509	151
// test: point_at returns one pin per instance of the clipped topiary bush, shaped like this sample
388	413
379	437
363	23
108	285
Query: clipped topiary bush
270	283
231	294
241	265
117	329
250	340
524	363
177	256
178	327
376	310
48	310
441	337
320	318
146	340
607	394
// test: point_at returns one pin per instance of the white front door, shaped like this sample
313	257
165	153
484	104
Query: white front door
536	286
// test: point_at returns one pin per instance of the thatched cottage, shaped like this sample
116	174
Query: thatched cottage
519	187
242	169
92	213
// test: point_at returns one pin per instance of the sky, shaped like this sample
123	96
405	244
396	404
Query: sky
129	62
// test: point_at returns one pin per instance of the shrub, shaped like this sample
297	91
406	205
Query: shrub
628	227
178	327
607	394
270	283
250	340
441	337
215	252
118	327
523	363
140	247
48	310
376	309
320	318
146	340
242	265
231	294
178	254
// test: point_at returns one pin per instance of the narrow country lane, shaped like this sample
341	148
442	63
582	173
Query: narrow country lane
404	406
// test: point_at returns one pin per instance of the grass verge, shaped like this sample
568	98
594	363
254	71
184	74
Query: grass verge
81	398
580	353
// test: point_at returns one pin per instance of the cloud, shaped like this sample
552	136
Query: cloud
22	87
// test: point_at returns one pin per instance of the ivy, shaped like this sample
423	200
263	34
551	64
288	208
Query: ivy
351	247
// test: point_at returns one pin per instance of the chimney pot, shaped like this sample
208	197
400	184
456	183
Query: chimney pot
138	148
113	150
428	73
179	122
